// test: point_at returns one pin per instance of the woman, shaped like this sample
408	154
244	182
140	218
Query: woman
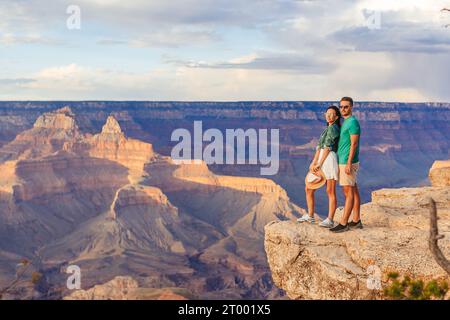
325	158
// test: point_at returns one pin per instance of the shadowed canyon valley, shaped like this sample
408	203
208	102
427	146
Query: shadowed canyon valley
93	184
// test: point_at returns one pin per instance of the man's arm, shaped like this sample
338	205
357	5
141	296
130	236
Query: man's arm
354	139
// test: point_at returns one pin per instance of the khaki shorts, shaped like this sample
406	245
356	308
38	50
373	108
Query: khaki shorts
348	179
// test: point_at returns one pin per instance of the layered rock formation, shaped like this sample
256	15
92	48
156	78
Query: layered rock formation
114	207
440	173
309	262
63	119
111	144
399	141
48	135
76	189
126	288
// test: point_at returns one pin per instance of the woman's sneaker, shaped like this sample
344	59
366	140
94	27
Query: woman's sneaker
327	223
306	218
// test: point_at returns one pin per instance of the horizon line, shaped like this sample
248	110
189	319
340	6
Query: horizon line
226	101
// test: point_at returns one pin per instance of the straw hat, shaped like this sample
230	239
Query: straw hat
315	180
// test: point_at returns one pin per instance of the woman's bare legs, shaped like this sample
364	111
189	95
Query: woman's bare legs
310	201
332	200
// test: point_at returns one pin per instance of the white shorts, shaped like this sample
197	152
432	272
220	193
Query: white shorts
330	166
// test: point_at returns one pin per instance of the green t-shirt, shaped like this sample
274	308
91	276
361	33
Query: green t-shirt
350	126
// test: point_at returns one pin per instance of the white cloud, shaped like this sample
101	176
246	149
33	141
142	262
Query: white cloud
146	23
397	32
74	82
397	95
286	61
16	81
307	49
388	5
9	39
172	37
383	79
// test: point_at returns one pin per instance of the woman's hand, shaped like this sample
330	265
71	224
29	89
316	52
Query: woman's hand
316	168
312	166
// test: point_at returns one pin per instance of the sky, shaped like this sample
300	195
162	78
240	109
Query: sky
225	50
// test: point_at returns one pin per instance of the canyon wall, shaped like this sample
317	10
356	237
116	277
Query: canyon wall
92	183
113	206
399	141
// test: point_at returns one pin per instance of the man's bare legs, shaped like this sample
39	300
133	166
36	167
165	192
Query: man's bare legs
332	200
349	202
356	204
310	201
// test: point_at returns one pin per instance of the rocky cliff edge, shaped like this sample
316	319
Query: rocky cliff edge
309	262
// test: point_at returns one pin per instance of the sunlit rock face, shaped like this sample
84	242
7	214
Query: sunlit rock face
113	206
126	288
92	184
440	173
399	142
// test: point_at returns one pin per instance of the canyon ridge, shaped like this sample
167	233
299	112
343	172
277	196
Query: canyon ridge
92	184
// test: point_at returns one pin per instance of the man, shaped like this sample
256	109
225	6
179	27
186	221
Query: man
348	158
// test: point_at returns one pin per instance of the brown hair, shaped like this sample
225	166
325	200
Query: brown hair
338	114
348	99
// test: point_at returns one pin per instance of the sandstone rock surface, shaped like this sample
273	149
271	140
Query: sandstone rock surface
309	262
440	173
126	288
114	207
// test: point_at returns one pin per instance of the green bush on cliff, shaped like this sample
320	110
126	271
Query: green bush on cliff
409	289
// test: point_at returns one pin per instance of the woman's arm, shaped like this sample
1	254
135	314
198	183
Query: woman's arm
315	159
326	152
319	165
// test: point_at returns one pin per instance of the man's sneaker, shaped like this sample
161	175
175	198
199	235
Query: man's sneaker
327	223
355	225
340	228
306	218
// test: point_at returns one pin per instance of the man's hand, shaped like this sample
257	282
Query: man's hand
348	168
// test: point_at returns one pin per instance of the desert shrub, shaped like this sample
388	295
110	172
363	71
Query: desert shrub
36	277
406	288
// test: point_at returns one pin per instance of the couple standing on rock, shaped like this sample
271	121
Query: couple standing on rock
336	159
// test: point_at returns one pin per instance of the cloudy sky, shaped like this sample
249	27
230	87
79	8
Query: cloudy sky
225	50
